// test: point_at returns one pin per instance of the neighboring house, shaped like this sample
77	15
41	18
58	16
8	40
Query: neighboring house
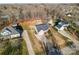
69	14
61	25
9	32
18	28
43	27
5	17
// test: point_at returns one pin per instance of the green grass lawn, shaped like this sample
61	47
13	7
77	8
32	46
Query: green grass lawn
15	48
24	48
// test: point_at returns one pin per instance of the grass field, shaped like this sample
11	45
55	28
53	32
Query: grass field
24	48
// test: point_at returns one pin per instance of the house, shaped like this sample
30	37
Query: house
61	25
18	28
43	27
9	32
69	14
5	17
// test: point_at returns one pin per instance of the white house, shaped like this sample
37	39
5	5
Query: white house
62	25
5	17
9	32
40	30
68	14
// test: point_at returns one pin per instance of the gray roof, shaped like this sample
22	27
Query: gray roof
11	30
43	27
61	23
5	17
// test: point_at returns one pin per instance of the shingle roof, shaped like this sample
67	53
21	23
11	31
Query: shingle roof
42	27
61	23
10	30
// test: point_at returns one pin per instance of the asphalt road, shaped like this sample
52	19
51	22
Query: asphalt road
28	42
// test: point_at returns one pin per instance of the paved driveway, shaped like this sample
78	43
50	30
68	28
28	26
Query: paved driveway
28	42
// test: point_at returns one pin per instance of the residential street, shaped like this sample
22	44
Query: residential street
28	42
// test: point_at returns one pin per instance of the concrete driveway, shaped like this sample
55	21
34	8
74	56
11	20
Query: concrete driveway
28	42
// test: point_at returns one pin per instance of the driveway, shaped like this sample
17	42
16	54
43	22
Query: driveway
28	42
